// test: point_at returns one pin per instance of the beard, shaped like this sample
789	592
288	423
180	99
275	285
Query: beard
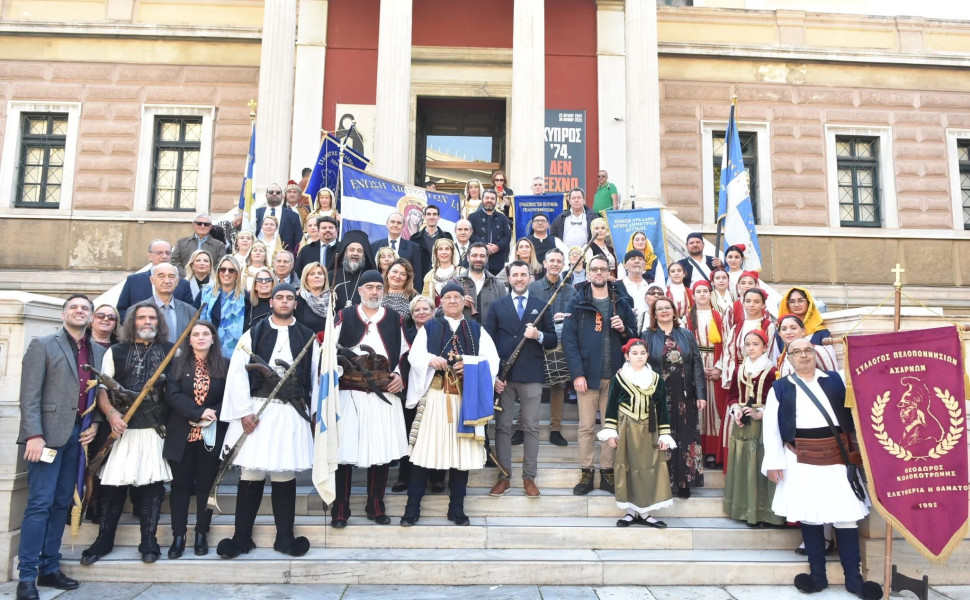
350	265
476	268
601	284
146	334
371	304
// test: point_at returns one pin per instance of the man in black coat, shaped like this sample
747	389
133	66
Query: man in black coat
402	248
425	240
138	286
696	261
290	231
509	320
353	260
312	252
493	228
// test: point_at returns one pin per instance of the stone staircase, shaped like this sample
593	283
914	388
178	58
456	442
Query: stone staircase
558	538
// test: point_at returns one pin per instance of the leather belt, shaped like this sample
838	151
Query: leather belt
821	452
446	384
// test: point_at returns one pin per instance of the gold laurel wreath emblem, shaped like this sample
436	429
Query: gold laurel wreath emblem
947	442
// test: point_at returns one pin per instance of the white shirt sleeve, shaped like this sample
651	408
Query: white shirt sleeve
237	402
771	436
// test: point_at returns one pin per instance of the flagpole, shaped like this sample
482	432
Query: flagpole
727	151
897	323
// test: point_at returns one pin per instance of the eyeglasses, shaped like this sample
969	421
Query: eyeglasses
105	316
203	223
655	293
162	252
264	280
801	352
226	270
274	192
599	270
663	308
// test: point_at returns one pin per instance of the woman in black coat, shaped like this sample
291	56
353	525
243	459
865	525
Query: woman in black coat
673	353
196	383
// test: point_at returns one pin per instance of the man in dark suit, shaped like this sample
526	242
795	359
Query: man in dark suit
508	321
138	286
312	252
178	314
53	397
493	228
290	230
403	248
426	238
696	261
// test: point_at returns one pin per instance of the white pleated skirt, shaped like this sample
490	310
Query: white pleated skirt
136	459
437	445
283	441
814	494
371	431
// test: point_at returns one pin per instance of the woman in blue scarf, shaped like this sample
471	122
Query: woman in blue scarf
225	306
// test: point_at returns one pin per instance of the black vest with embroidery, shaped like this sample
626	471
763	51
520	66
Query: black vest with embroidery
263	338
134	365
352	330
442	340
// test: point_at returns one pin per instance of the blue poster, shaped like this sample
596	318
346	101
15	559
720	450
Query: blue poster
526	206
624	224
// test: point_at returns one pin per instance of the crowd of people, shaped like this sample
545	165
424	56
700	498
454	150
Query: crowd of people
683	367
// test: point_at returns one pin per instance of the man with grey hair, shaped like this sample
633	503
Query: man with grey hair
138	286
538	185
463	241
403	248
177	314
201	239
283	268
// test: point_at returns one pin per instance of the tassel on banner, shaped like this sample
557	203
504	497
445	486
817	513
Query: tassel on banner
849	390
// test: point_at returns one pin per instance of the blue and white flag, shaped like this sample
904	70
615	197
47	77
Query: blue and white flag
326	171
734	199
527	206
247	195
325	397
368	200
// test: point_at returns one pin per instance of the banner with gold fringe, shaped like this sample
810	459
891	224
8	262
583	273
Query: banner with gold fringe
910	416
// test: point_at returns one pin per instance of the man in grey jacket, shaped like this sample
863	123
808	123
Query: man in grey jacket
54	398
481	287
201	239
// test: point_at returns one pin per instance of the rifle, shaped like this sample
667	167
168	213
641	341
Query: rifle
213	501
95	465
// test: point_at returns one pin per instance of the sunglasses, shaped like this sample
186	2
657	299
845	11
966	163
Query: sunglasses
264	280
105	316
226	270
203	223
274	192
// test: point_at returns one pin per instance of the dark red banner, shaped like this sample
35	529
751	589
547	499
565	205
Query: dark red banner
911	422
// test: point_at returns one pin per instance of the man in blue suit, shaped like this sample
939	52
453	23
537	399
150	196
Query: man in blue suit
290	230
138	286
405	249
509	320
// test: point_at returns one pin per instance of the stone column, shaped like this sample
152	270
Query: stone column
642	104
611	95
393	120
275	110
311	55
528	101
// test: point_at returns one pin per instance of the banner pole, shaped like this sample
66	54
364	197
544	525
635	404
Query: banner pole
897	322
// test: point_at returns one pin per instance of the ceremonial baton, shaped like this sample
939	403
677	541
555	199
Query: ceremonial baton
95	465
213	501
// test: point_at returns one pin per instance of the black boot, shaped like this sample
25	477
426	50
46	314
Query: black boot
850	557
585	484
816	580
457	487
248	498
148	515
177	548
112	504
607	484
340	508
376	484
284	513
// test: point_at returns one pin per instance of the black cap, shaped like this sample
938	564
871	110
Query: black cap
371	276
633	254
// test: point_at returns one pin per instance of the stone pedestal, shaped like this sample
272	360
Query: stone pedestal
23	317
642	103
275	110
392	135
528	101
311	55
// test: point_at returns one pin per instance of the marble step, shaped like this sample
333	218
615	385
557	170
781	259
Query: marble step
486	532
458	567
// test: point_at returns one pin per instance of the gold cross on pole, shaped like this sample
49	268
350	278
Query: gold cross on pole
898	270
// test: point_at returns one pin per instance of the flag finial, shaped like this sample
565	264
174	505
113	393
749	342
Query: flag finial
252	108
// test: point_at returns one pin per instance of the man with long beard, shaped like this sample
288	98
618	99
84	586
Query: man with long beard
136	459
352	261
371	430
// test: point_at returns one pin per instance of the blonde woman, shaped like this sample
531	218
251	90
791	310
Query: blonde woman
269	235
197	272
260	295
526	252
384	258
326	206
602	245
444	268
473	197
258	259
244	243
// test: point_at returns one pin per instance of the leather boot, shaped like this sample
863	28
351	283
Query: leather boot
815	580
851	559
585	484
149	512
284	514
248	498
607	483
457	484
112	505
376	484
177	548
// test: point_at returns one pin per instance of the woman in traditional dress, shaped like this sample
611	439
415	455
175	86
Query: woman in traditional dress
791	328
313	299
224	304
194	434
721	298
673	354
472	197
748	493
325	206
734	261
526	252
444	268
678	293
748	280
708	328
258	259
269	234
638	426
798	301
198	270
602	245
384	257
399	289
260	296
244	243
755	317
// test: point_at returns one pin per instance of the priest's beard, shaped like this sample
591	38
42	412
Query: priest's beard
146	334
351	265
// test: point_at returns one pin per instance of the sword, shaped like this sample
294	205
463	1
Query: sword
213	501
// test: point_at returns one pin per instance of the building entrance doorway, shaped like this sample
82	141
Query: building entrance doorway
458	139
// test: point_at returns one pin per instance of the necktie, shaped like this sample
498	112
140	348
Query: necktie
394	246
323	254
521	308
272	212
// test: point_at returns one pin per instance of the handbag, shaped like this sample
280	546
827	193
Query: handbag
851	470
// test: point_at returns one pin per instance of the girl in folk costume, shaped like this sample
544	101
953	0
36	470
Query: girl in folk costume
748	280
753	303
721	298
708	327
791	328
325	206
678	293
637	425
269	234
748	493
472	198
734	264
444	268
799	302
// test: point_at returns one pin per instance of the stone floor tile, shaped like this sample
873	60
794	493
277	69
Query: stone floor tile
100	589
685	592
624	592
784	592
183	591
442	592
952	592
567	592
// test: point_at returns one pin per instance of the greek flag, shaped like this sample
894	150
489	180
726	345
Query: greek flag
247	195
367	201
734	200
325	398
326	169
